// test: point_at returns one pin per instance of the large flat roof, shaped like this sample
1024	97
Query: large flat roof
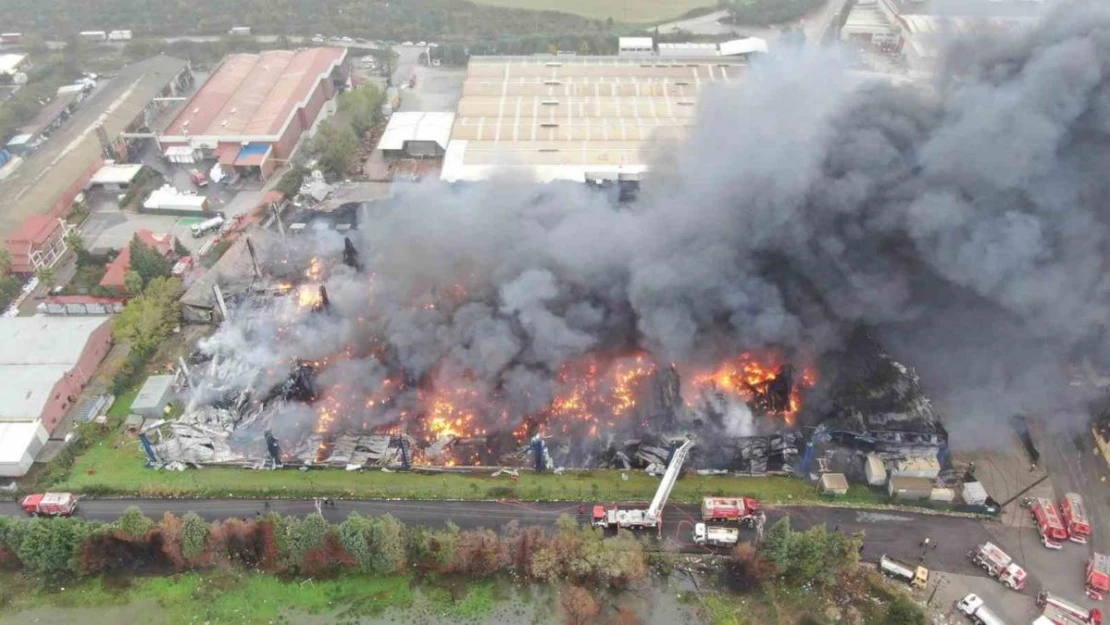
36	352
15	438
567	117
44	340
46	175
254	94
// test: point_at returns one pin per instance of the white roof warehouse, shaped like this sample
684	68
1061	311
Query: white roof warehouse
45	361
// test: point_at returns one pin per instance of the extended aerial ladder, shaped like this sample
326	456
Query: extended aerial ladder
653	515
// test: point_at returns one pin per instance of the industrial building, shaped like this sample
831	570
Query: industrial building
45	361
33	203
416	135
919	29
574	118
253	110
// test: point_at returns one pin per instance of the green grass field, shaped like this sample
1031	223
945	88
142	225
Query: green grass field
627	11
115	467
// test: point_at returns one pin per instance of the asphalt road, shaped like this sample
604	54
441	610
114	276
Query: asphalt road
895	533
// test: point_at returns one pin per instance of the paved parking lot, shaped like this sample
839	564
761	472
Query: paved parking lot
1005	472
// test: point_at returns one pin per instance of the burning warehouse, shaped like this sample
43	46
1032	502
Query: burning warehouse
722	302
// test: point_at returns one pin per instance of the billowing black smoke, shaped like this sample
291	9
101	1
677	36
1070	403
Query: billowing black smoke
963	222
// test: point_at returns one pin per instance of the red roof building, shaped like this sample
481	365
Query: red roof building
118	268
39	242
252	111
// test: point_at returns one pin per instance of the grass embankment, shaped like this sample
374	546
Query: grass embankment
114	465
629	11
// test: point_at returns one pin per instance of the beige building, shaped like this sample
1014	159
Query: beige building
575	118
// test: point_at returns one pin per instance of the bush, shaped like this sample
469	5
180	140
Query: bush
195	535
902	611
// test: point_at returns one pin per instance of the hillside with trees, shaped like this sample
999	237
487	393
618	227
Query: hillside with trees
378	19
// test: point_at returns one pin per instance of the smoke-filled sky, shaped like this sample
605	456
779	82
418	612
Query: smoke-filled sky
964	220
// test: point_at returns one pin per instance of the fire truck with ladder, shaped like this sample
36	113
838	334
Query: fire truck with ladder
618	518
1098	576
1056	607
1051	528
998	564
742	510
1075	518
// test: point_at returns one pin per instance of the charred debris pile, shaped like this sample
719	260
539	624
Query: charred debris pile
752	413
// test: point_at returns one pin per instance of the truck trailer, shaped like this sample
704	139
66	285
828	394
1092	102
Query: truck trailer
977	611
1047	599
915	576
715	535
999	565
1074	513
743	510
206	226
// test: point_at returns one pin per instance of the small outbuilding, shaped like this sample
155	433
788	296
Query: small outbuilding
926	466
910	488
416	135
974	494
874	470
153	397
114	177
834	484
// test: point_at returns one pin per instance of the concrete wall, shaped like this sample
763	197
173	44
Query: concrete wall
67	389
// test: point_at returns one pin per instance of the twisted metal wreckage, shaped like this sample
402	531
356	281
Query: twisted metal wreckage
748	418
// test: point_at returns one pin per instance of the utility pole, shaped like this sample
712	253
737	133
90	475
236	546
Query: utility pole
941	580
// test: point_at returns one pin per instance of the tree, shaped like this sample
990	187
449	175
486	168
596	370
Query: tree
75	241
133	523
179	248
302	537
579	606
5	262
480	552
49	546
291	181
745	570
148	262
337	148
377	545
133	282
195	535
149	318
46	275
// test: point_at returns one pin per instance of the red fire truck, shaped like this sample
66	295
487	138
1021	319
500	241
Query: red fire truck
49	504
743	510
1091	617
1075	517
1098	576
1049	525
